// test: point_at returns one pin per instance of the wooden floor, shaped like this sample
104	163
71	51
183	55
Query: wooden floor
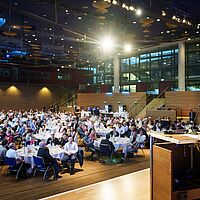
92	172
131	186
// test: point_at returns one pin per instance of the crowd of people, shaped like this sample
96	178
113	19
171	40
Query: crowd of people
70	132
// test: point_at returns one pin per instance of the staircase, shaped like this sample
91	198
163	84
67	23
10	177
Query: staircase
152	105
67	101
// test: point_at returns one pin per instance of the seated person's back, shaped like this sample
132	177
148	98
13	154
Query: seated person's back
107	141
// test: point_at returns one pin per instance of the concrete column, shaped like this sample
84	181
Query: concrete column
116	66
181	66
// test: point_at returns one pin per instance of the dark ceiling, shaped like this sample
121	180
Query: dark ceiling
46	32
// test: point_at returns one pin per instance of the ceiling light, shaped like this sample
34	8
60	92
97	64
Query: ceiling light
134	22
114	2
107	43
29	41
79	18
127	47
62	66
174	17
66	11
197	32
33	35
123	5
138	12
69	65
168	31
189	39
35	39
50	38
163	13
131	8
158	20
139	49
62	39
50	29
197	45
71	47
147	17
161	32
58	70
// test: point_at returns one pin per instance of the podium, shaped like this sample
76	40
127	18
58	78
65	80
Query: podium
174	167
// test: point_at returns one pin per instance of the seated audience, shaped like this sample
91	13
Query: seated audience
48	159
71	149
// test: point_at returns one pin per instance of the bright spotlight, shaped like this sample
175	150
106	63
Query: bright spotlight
107	43
127	47
138	12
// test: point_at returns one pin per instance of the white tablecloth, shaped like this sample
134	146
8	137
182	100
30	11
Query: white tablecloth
27	153
117	142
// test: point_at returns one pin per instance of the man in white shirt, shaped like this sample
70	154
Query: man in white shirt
12	153
71	149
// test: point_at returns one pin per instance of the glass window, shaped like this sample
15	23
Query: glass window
134	62
144	63
145	55
134	76
34	74
194	47
63	76
193	85
193	72
132	88
155	62
193	58
144	75
108	78
108	68
167	52
100	79
125	77
155	54
125	65
166	74
155	75
4	72
125	88
167	61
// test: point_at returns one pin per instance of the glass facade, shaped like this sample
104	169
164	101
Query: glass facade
193	66
150	67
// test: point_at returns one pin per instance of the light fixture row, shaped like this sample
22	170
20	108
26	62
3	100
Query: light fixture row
138	11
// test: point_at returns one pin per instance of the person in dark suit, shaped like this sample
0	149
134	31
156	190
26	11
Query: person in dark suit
48	159
114	133
107	141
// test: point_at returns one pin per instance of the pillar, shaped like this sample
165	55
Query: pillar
181	66
116	66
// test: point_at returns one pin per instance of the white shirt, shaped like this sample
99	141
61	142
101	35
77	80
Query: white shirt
71	148
11	153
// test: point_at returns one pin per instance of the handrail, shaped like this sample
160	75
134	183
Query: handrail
156	99
138	106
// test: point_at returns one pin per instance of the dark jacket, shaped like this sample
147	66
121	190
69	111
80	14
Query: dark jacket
44	153
106	141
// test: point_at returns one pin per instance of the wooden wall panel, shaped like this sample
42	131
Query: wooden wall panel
162	173
98	99
183	102
28	96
